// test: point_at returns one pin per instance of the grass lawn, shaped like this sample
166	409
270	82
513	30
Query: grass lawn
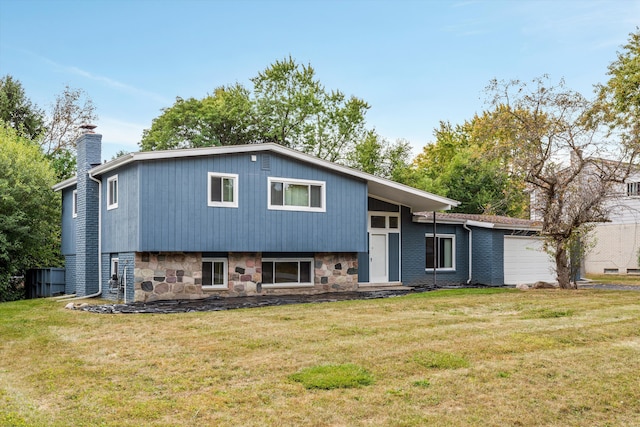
460	358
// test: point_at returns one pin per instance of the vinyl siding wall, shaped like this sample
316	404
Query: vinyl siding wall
162	206
120	225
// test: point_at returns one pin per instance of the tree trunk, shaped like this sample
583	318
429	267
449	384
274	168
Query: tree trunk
563	269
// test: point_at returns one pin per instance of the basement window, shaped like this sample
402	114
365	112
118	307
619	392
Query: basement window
214	273
287	272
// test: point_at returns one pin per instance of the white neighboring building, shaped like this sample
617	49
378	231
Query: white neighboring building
614	245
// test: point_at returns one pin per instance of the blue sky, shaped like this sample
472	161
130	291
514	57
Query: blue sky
415	62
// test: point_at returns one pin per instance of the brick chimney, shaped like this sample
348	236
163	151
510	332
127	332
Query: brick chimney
89	152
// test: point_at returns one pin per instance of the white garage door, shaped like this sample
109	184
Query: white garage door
526	262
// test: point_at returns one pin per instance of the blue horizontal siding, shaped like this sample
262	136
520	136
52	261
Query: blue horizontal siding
174	215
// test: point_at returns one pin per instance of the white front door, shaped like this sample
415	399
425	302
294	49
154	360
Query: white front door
378	258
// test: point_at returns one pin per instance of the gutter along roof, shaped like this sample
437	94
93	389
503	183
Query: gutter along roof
483	221
377	187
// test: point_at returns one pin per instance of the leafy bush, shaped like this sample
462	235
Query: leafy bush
11	288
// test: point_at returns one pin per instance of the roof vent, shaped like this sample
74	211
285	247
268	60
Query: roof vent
265	162
87	128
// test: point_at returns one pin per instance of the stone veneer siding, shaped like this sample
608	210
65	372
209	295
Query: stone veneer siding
332	272
168	276
336	271
245	274
179	276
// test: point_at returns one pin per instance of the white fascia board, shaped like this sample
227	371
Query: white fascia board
518	227
449	221
113	164
70	182
479	224
403	194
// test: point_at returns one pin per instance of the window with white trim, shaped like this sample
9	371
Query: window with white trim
444	258
287	272
383	221
296	194
214	273
223	190
112	192
74	203
633	189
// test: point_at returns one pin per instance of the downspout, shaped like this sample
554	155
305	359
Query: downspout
466	227
99	293
435	251
124	278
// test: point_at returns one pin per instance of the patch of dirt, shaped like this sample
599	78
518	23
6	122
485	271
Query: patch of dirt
216	303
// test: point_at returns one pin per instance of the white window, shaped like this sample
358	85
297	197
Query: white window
214	273
287	272
383	221
445	256
296	195
633	189
74	203
223	190
112	192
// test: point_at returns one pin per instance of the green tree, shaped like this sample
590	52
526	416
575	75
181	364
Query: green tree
461	165
223	118
481	185
377	156
56	130
295	110
71	109
287	105
559	155
17	111
29	208
618	101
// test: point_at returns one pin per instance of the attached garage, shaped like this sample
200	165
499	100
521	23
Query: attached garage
525	261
